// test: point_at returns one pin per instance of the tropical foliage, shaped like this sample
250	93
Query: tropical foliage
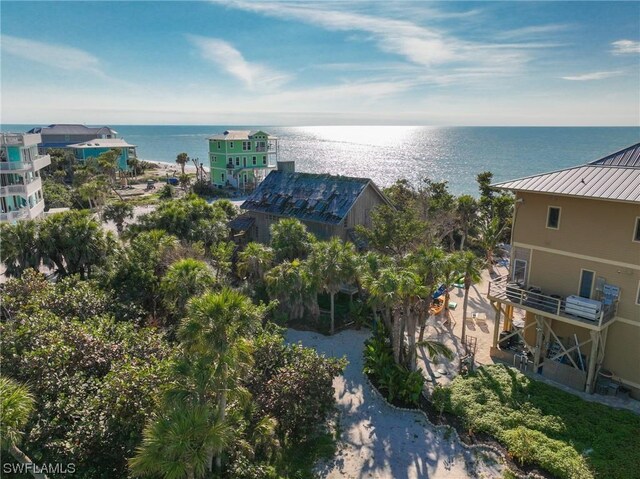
544	426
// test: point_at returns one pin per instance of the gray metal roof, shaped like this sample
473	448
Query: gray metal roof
306	196
630	156
614	177
68	129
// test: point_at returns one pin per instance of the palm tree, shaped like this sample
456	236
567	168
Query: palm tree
489	237
467	209
450	271
182	159
183	280
217	327
254	261
16	406
19	249
330	261
471	268
287	284
118	212
429	264
177	445
290	239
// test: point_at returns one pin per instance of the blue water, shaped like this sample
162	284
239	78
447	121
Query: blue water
386	153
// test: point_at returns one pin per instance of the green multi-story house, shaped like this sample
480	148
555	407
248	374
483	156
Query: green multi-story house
241	158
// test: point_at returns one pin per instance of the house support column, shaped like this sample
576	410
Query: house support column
593	359
496	326
539	340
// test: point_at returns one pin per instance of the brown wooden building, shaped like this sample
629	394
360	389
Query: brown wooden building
328	205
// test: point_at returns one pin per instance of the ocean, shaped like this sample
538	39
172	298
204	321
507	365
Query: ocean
387	153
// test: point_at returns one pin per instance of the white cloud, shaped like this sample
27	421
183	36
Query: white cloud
57	56
625	47
421	45
532	31
227	57
593	76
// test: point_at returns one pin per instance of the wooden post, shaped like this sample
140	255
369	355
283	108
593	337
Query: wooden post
496	326
593	359
539	338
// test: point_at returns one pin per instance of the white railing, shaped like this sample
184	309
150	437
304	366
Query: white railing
37	210
505	290
22	213
39	162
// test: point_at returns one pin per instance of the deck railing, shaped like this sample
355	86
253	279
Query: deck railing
504	289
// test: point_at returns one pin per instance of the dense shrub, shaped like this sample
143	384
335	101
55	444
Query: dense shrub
95	380
542	425
293	384
394	380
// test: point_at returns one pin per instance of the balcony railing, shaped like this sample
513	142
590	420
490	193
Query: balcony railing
39	162
24	189
503	289
22	213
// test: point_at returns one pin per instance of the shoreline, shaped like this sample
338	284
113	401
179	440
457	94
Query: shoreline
173	168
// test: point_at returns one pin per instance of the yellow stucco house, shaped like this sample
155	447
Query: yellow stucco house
575	274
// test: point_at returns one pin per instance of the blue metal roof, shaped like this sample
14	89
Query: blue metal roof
306	196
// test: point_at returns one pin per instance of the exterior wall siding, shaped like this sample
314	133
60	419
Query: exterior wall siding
358	215
595	235
602	229
556	274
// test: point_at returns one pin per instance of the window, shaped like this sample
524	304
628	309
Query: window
246	145
254	161
222	177
520	271
553	217
238	161
586	283
219	145
231	145
636	230
264	160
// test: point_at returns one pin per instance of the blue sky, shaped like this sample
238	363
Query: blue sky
318	63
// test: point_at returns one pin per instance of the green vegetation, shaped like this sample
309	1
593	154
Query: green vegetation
544	426
144	356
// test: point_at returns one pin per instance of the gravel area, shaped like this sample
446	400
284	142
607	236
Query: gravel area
378	441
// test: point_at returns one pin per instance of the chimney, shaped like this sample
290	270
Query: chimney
288	166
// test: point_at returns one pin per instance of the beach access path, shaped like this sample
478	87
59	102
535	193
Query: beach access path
378	441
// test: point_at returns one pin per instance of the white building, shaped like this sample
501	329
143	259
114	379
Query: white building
20	183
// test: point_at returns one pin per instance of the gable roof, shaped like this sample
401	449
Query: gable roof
614	177
240	135
307	196
69	129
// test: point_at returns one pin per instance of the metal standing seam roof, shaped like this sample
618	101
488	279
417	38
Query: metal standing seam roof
314	197
69	129
614	177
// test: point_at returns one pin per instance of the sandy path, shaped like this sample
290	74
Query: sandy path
378	441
